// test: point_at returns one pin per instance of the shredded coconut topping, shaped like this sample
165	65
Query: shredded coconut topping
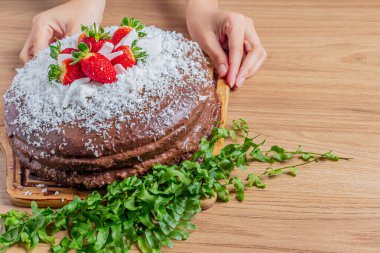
44	106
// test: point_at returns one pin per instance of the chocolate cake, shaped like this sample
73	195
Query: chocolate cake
89	134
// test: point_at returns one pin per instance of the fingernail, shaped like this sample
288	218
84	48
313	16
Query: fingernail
232	83
240	82
222	69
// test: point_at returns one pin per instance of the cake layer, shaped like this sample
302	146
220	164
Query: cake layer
179	150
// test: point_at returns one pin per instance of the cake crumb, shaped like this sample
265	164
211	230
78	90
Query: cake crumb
27	193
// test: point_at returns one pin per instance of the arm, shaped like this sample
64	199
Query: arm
60	21
229	39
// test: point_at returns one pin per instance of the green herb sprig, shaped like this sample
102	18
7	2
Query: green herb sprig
155	209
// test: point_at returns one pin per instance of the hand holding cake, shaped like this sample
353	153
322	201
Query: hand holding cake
228	38
60	21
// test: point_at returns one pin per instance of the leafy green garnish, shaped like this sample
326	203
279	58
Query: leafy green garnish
54	72
134	23
138	53
98	33
82	52
156	208
240	125
55	50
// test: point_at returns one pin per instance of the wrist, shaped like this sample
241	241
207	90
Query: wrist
100	4
196	7
202	2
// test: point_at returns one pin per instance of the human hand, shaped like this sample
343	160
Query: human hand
60	21
229	39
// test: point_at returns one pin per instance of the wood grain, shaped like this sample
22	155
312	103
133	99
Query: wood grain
319	88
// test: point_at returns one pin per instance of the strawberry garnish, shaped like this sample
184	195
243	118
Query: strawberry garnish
120	33
94	37
129	56
68	50
65	73
127	59
95	66
126	25
82	35
56	50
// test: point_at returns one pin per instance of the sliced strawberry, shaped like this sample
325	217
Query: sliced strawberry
68	50
127	59
95	66
129	56
126	25
94	37
56	50
65	73
81	37
120	33
94	45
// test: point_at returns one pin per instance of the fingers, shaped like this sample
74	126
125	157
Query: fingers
38	39
25	54
235	45
256	55
218	56
258	64
41	39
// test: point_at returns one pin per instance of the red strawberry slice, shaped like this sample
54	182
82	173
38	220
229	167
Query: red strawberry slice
127	59
126	25
94	37
56	50
95	66
129	56
81	37
94	45
120	33
65	73
68	50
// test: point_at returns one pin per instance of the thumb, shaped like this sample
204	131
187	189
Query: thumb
218	57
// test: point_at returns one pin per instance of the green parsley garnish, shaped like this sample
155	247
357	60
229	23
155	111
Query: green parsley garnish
154	209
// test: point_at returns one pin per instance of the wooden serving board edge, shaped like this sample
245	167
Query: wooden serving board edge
17	192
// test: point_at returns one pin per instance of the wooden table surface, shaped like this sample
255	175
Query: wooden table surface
320	87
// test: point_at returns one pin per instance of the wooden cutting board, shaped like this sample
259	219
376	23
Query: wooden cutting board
23	188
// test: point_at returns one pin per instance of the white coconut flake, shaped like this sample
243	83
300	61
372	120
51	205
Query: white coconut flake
128	39
202	98
152	45
62	57
27	193
73	87
106	48
119	69
111	56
